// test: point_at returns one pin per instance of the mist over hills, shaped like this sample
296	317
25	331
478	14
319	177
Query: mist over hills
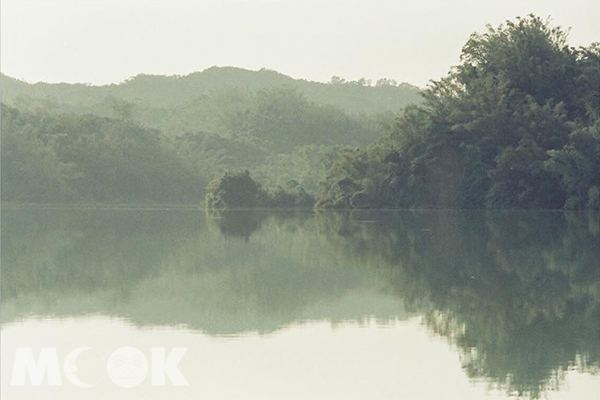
155	94
515	125
161	139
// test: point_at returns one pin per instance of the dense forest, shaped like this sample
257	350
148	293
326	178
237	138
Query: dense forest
514	125
66	157
161	140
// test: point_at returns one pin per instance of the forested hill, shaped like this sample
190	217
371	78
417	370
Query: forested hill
515	125
154	94
53	156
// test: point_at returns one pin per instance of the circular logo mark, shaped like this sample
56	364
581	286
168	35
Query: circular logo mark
127	367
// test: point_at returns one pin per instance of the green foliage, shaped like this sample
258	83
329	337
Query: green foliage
277	134
122	110
155	96
235	190
520	180
307	165
115	160
363	179
31	170
578	166
208	123
512	126
277	120
292	195
90	159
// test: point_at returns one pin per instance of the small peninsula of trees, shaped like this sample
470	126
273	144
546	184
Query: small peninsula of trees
237	190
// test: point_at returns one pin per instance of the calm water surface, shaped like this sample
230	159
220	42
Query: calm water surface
362	305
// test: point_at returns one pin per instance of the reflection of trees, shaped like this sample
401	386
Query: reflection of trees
167	268
243	223
77	251
517	293
234	223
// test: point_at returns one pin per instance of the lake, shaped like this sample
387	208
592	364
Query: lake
302	305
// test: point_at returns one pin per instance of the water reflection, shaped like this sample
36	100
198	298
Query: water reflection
517	294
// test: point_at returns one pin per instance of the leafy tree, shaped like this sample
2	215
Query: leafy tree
234	190
577	165
31	170
306	165
122	110
237	189
292	195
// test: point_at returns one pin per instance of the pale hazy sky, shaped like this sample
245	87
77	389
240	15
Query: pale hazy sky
108	41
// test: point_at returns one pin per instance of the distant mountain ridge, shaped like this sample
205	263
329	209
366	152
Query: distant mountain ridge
164	92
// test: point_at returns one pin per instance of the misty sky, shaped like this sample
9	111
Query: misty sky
108	41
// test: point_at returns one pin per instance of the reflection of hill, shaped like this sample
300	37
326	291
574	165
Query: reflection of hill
517	293
165	268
